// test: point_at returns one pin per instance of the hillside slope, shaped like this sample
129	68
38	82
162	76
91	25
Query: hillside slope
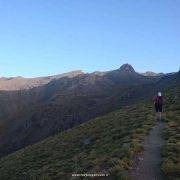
171	151
105	144
28	116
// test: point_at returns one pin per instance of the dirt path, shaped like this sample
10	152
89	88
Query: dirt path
147	165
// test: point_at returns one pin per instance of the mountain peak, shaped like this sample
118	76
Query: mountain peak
127	68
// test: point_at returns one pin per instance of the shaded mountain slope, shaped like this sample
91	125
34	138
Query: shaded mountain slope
67	102
81	84
105	144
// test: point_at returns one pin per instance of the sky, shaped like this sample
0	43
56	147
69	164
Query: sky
46	37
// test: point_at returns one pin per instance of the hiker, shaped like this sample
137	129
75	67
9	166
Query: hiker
158	103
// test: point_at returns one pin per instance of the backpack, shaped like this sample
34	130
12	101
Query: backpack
159	100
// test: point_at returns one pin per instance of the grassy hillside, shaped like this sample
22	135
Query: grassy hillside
171	151
105	144
29	116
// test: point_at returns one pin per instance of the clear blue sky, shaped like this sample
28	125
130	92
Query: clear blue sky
43	37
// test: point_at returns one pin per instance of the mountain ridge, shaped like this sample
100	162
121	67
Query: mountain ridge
28	116
106	144
21	83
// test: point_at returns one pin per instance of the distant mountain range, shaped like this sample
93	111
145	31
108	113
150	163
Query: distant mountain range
20	83
34	109
150	73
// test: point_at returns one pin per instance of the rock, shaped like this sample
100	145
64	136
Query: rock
126	145
87	141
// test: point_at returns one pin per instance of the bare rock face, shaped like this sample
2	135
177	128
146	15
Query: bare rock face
127	68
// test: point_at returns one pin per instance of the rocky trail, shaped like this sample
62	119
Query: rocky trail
147	165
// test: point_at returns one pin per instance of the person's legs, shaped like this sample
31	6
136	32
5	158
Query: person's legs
157	112
160	116
160	111
157	116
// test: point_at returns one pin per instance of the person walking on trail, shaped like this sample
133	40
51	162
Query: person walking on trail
158	103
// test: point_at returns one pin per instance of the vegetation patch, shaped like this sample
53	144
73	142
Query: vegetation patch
171	151
105	144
